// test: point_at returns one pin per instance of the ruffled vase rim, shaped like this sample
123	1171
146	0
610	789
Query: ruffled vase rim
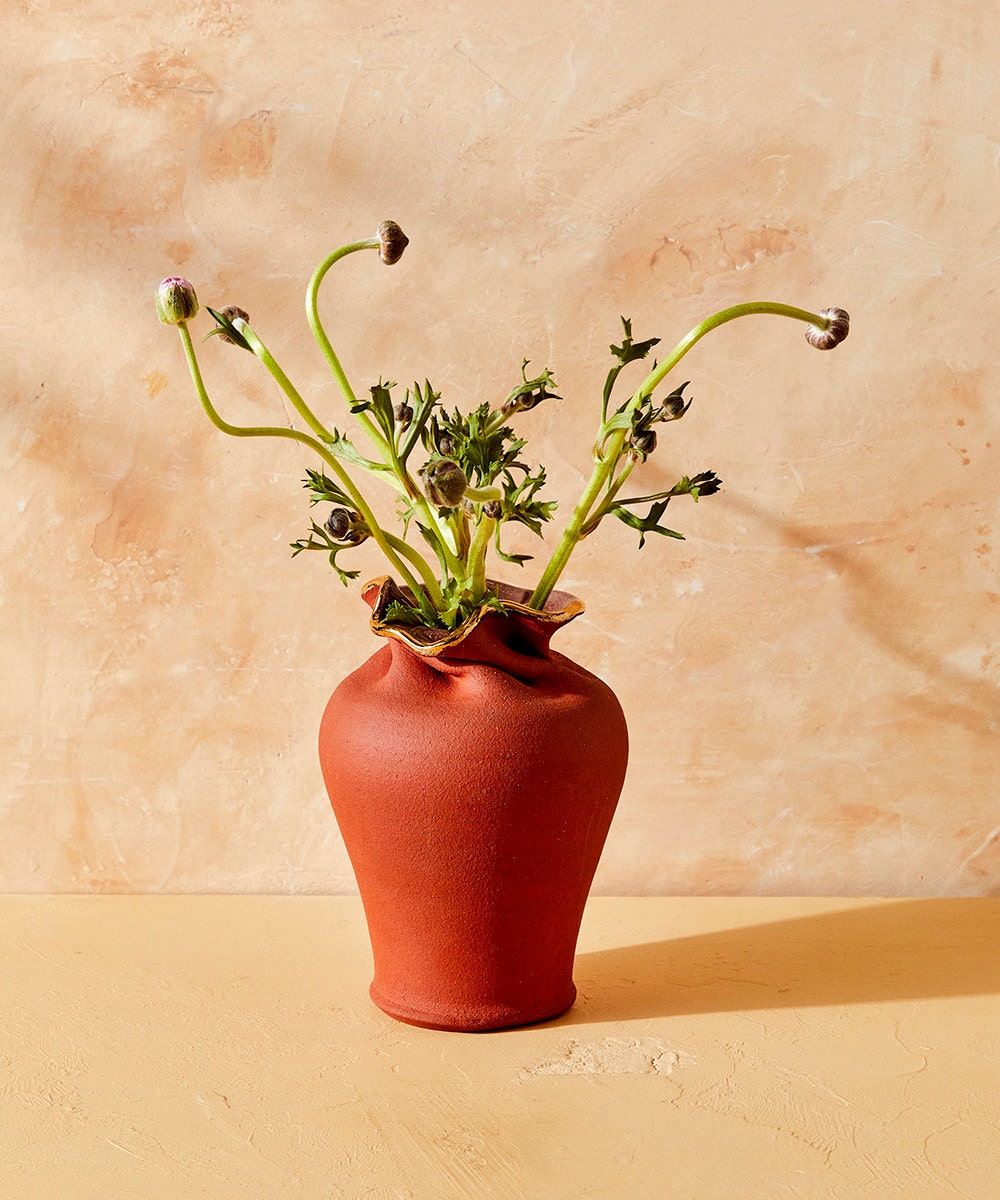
379	593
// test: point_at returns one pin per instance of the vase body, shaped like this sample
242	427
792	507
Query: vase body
474	786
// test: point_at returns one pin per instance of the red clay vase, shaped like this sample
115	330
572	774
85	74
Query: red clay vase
474	775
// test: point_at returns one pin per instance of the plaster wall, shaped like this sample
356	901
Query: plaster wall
811	678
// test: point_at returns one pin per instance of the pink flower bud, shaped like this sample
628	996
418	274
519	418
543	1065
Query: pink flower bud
176	302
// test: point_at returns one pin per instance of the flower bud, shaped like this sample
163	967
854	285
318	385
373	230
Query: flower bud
674	407
403	414
394	242
176	302
346	527
835	332
231	312
493	509
644	443
444	482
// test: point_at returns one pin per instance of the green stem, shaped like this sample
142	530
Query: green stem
384	447
750	309
574	528
612	491
319	333
611	449
295	435
265	356
483	494
477	556
418	560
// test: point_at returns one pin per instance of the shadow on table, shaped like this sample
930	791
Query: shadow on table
905	950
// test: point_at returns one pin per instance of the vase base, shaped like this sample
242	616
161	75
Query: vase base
474	1018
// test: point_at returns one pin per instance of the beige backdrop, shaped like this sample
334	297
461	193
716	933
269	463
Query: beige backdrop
810	679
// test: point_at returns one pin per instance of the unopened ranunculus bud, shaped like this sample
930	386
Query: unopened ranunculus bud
176	302
346	527
493	509
403	414
674	407
644	443
231	312
838	327
444	482
394	242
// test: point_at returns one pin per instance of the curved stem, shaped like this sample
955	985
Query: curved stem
282	380
357	499
477	556
483	494
418	560
384	447
611	449
753	308
319	333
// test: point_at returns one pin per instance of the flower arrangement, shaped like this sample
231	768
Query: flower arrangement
471	479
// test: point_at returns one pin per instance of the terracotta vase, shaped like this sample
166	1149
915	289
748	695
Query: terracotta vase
474	775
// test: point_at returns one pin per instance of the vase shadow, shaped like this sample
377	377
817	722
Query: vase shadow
900	950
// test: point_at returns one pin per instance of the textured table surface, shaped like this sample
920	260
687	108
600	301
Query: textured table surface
184	1047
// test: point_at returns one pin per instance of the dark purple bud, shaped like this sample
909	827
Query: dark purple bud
493	509
644	443
346	527
838	327
394	242
403	414
231	312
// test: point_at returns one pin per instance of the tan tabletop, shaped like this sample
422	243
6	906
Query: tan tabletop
184	1047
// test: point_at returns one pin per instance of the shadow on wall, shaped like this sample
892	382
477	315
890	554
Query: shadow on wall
879	609
905	950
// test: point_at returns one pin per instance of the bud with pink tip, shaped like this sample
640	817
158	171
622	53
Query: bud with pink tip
176	302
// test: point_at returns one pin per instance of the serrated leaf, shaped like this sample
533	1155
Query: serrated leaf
323	488
399	613
646	524
627	352
519	559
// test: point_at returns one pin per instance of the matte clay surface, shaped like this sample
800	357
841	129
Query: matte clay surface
474	789
810	679
193	1047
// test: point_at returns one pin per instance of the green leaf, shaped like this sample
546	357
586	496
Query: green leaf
519	503
381	405
225	326
319	539
323	488
423	402
519	559
647	524
531	392
627	352
399	613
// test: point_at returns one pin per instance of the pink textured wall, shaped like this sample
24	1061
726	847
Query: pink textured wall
811	678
